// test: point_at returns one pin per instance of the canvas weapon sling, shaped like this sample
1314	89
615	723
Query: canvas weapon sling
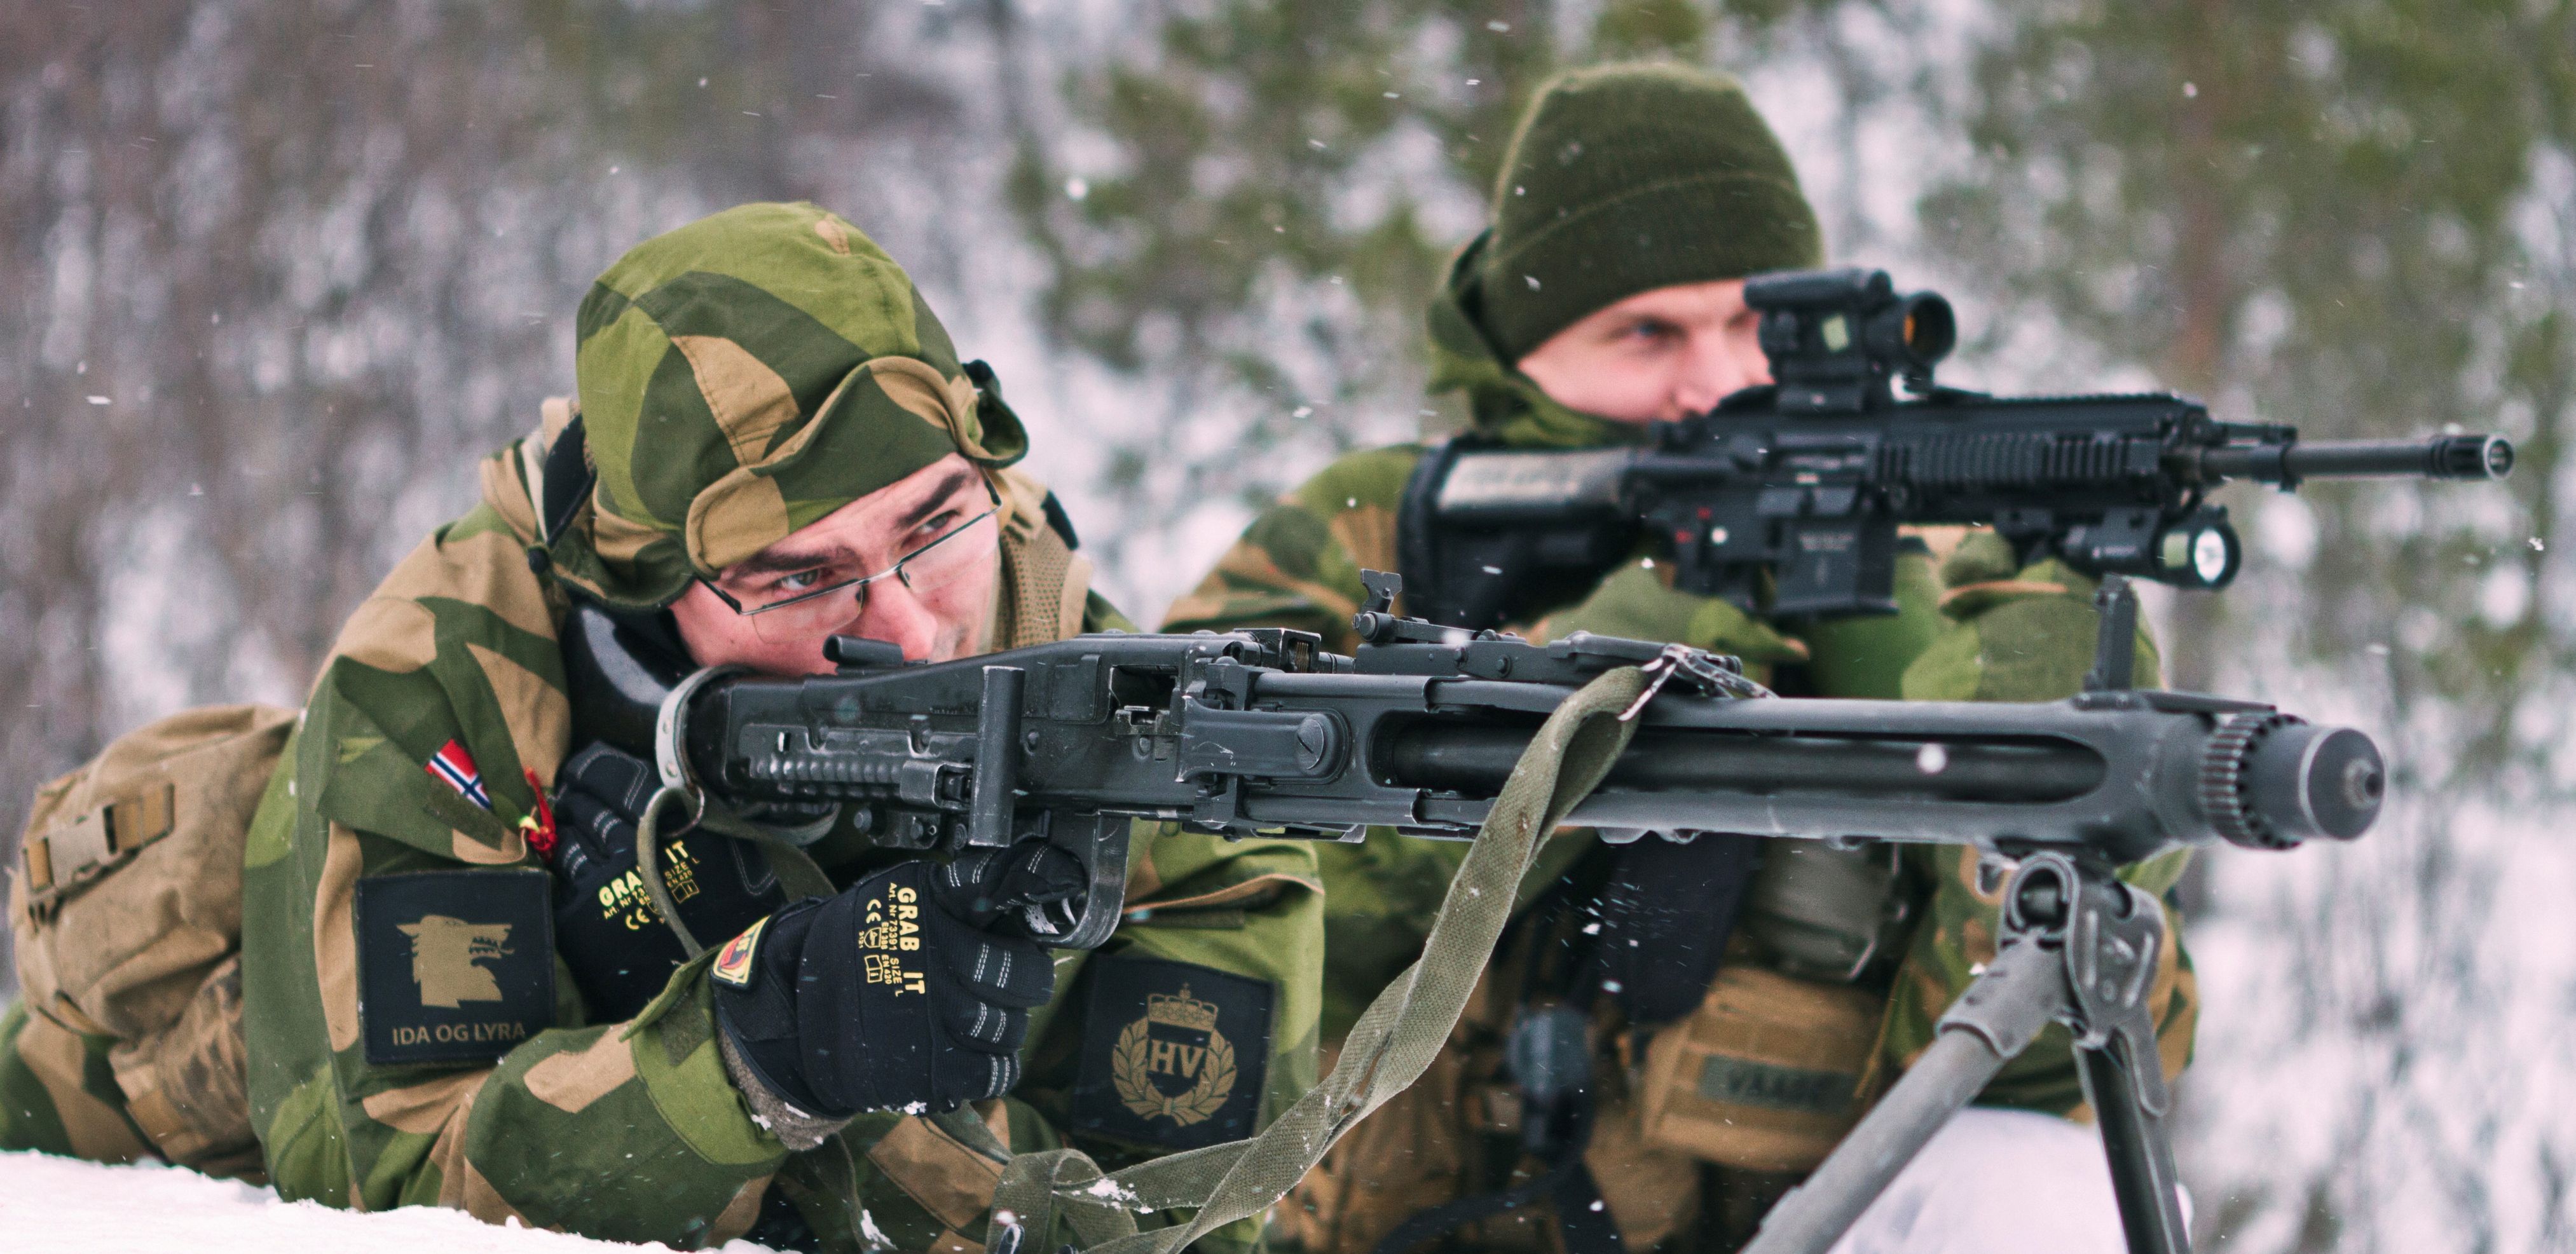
1769	1062
1395	1040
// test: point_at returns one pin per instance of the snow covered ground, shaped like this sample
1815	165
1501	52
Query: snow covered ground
58	1204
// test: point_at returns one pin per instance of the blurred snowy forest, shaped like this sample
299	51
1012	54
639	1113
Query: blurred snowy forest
272	273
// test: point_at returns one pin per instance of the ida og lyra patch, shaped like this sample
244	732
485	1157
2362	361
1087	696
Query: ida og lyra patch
453	966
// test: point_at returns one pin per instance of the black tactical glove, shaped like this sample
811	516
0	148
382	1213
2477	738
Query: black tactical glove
1029	892
903	992
619	950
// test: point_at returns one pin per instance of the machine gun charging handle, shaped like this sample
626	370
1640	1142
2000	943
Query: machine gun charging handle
997	759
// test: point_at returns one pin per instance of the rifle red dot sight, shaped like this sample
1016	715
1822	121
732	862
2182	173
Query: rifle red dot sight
1838	338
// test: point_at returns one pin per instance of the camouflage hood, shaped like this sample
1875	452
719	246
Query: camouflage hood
745	375
1505	404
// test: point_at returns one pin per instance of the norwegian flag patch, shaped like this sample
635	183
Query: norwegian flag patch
453	764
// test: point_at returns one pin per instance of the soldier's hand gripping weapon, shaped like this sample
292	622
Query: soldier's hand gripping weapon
1802	485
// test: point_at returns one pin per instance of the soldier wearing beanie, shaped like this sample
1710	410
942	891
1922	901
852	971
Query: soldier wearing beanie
1607	293
453	989
1623	179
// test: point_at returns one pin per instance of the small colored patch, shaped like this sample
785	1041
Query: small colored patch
454	765
1770	1086
733	963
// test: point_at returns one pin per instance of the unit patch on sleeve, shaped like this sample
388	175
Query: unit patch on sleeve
1177	1055
454	966
733	963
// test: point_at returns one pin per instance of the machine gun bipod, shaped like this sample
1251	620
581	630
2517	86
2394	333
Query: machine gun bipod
2078	947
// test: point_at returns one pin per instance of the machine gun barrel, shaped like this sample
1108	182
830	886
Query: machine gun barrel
1260	732
1479	759
2121	776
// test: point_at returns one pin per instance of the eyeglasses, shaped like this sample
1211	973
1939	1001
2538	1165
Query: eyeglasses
811	601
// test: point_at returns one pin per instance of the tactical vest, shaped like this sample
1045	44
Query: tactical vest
1760	1067
1046	585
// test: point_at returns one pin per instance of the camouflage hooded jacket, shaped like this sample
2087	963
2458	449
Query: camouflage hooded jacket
1994	634
630	1131
440	717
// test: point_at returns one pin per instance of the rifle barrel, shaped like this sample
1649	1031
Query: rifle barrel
2474	457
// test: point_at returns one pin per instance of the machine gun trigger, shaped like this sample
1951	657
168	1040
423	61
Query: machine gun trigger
1698	668
1098	842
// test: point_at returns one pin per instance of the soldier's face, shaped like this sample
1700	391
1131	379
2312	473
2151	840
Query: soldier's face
936	618
1657	356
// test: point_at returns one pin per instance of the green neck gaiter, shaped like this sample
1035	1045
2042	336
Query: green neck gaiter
1507	406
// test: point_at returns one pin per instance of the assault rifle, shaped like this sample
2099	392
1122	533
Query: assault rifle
1801	485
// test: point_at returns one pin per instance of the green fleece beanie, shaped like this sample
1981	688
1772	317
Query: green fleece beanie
1627	178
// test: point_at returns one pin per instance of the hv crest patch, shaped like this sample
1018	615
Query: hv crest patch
1178	1055
454	966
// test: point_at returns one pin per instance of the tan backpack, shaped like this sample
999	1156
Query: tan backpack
127	915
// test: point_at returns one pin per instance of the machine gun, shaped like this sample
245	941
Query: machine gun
1786	498
1262	732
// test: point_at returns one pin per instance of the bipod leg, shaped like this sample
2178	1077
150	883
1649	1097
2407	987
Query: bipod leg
2113	938
2078	946
2113	935
2142	1162
1994	1020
